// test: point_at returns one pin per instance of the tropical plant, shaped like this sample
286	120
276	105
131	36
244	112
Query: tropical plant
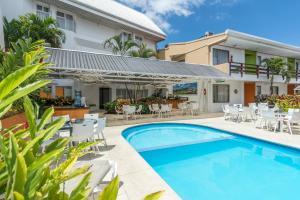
285	102
277	66
143	52
25	171
34	27
17	57
118	45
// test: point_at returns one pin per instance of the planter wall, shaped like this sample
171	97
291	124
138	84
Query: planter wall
13	120
76	113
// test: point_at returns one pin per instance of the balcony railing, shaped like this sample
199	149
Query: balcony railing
258	70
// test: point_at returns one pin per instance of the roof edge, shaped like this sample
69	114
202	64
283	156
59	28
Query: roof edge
161	35
241	35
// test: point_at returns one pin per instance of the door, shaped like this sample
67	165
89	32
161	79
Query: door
104	97
249	93
290	89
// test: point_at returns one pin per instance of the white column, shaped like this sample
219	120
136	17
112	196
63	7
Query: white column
1	30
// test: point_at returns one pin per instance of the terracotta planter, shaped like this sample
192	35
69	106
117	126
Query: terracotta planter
76	113
13	120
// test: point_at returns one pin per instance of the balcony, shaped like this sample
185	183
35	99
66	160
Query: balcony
257	70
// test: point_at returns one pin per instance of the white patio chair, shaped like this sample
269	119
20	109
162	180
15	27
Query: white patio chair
129	111
234	113
101	124
183	107
139	110
151	110
194	108
164	109
253	111
84	132
226	111
101	170
170	106
292	120
270	120
156	109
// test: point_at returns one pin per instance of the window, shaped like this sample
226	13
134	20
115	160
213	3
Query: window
258	90
126	36
65	21
259	60
138	39
275	90
125	94
63	91
220	93
42	11
220	56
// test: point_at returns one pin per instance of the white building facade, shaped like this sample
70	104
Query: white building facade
88	23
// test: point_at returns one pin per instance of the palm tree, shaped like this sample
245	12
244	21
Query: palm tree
119	46
143	52
277	66
34	27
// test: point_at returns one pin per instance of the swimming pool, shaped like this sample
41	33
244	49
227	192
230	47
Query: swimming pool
199	162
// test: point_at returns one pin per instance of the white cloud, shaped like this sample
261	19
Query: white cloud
160	10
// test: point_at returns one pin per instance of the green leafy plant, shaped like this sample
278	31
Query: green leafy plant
277	66
118	45
25	171
111	192
33	27
24	53
285	102
143	52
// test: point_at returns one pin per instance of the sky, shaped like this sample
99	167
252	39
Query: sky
184	20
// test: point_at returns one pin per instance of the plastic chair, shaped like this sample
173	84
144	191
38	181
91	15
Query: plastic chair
83	132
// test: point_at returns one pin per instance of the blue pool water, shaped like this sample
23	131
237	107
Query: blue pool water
199	162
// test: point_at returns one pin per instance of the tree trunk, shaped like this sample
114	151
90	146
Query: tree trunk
271	86
129	94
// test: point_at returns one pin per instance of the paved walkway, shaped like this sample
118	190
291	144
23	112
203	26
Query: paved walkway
118	120
139	179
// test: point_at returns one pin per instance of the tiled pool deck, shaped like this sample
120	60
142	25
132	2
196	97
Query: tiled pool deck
139	179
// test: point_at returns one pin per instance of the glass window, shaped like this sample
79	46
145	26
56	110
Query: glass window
68	92
126	36
220	93
259	60
125	94
258	90
42	11
220	56
138	39
65	21
275	90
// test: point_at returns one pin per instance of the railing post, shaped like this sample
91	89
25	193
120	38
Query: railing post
241	68
268	72
257	71
297	73
229	68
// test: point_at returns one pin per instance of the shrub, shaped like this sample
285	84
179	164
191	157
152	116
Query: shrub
285	102
58	101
